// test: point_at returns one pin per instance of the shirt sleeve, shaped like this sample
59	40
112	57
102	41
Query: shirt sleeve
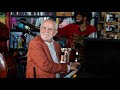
68	68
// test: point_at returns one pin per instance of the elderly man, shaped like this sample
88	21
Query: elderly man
44	54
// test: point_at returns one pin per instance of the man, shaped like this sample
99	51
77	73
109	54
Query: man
81	27
44	54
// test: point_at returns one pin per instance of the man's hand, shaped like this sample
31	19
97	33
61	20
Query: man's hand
74	65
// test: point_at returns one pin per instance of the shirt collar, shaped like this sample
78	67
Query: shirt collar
50	43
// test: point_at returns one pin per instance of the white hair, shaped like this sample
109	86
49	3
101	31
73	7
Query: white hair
55	23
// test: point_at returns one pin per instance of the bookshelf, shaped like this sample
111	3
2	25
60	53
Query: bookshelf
109	25
19	32
32	22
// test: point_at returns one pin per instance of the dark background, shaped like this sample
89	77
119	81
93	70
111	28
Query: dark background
59	5
101	59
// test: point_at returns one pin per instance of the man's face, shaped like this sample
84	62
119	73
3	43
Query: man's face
79	19
47	31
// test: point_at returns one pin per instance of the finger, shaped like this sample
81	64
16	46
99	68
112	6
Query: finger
76	69
77	63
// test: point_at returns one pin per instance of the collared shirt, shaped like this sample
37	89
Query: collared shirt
54	56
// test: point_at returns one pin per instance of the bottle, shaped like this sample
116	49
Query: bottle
68	50
15	41
65	55
62	56
19	42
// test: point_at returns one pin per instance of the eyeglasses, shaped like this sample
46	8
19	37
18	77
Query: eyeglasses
45	28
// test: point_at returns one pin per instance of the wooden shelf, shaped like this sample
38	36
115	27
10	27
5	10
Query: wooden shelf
101	22
112	23
64	16
112	13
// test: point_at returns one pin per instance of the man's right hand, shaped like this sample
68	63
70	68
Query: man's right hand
74	65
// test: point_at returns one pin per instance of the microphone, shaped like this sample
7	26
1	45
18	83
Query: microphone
28	24
25	31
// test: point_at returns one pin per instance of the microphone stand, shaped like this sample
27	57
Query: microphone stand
25	30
